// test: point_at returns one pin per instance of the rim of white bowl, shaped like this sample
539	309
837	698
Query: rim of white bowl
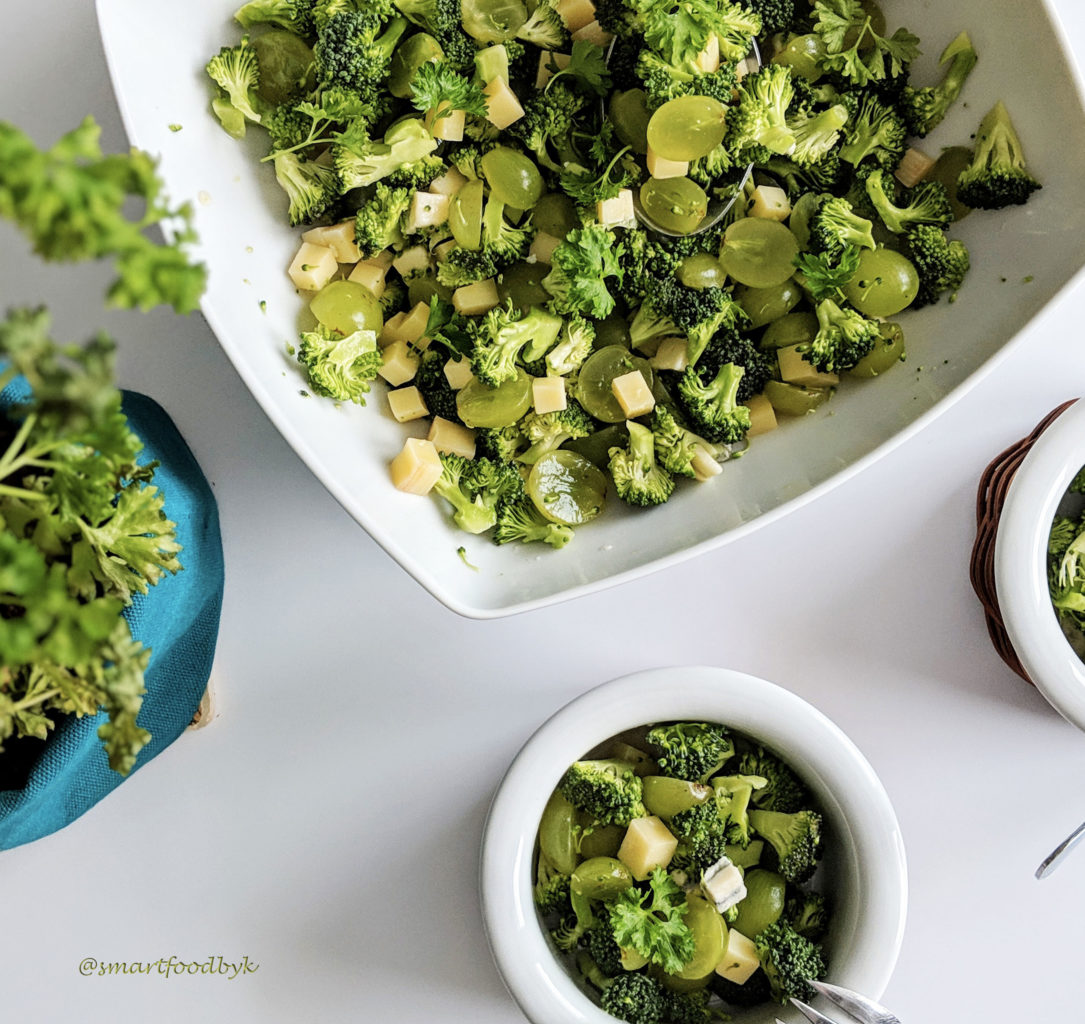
1024	526
846	784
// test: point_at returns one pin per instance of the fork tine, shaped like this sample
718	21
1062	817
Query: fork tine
860	1007
812	1015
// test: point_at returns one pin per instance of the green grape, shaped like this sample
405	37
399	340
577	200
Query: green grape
346	307
793	399
566	488
877	26
885	283
555	214
764	305
409	56
522	284
687	128
803	55
492	21
614	330
675	204
286	64
702	270
600	878
801	212
600	840
758	252
594	390
422	288
629	113
676	983
465	215
666	797
479	405
513	178
886	353
709	938
763	903
557	836
596	447
946	169
793	329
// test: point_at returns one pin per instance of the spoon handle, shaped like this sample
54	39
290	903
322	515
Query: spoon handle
1056	857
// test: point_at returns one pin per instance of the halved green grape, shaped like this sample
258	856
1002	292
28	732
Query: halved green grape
614	330
702	270
793	399
801	212
763	904
666	797
758	252
479	405
764	305
886	353
555	214
599	840
465	215
594	389
596	446
286	65
709	938
422	288
513	177
803	55
558	835
492	21
793	329
409	56
566	488
346	307
522	285
630	115
600	878
885	283
679	984
675	204
687	128
947	169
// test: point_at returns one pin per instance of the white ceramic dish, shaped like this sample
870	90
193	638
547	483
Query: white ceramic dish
157	60
1031	623
866	872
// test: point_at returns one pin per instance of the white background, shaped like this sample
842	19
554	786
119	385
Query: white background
327	823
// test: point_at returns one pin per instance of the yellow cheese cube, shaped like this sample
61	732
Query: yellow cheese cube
633	394
660	167
914	166
414	260
383	259
475	299
414	324
313	267
337	237
769	203
542	247
458	373
407	404
502	106
449	183
647	844
672	354
617	212
448	128
428	209
548	63
762	415
417	467
575	13
400	363
708	60
390	330
796	370
548	394
452	438
370	275
739	958
593	32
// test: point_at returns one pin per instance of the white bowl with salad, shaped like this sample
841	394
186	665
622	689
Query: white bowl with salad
1045	494
551	967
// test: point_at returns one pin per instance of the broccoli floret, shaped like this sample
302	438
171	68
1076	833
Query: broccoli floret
236	71
708	170
551	891
417	175
677	449
635	998
689	1008
545	28
377	224
997	176
443	20
354	47
548	125
699	312
713	409
758	118
776	15
604	950
816	135
288	128
501	245
735	25
395	298
573	347
690	750
467	158
923	109
433	385
638	478
927	203
703	834
823	176
340	367
728	346
475	488
295	15
782	790
361	162
311	188
498	339
663	81
732	798
844	336
754	991
609	790
789	961
502	443
835	225
875	131
808	914
795	837
941	264
548	431
521	521
645	263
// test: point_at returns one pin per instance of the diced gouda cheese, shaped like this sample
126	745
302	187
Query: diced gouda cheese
769	203
452	438
400	363
448	128
575	13
428	209
672	354
548	394
762	415
449	183
542	247
458	373
475	299
796	370
548	63
414	260
740	958
633	394
407	404
502	106
390	330
414	323
369	275
313	267
337	237
660	167
914	166
617	212
383	258
708	60
647	844
417	467
593	32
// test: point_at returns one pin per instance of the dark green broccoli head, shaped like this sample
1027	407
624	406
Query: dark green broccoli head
776	15
808	913
923	109
789	961
753	992
475	488
354	47
758	366
713	409
835	225
795	837
703	835
941	263
690	750
844	336
689	1008
604	950
521	521
875	131
635	998
638	478
997	176
607	789
433	385
551	891
782	790
927	203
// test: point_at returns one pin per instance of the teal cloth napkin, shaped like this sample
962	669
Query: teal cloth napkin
178	619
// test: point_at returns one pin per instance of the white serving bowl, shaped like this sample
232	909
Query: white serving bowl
1024	600
246	244
864	868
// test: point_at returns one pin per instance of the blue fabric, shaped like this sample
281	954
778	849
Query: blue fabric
178	619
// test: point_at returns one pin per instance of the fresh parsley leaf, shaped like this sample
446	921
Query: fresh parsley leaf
824	277
588	65
870	57
439	91
651	922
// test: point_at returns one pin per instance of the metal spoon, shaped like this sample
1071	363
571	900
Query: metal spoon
1059	854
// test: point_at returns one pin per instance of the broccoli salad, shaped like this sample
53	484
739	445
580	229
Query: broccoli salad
1066	564
593	248
673	869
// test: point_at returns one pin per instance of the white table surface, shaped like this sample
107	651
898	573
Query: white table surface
327	824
